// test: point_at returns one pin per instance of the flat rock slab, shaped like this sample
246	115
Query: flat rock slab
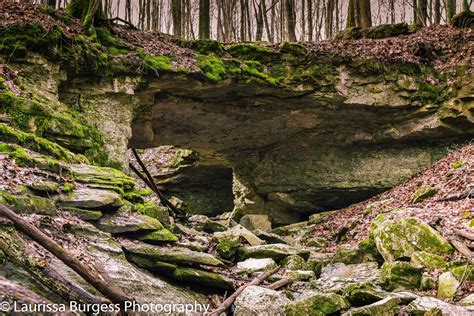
88	198
256	300
424	305
254	265
274	251
176	255
239	231
127	222
362	272
200	277
85	215
316	303
385	307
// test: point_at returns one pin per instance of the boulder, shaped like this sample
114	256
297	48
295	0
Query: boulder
199	277
85	215
300	275
364	293
88	198
385	307
447	286
228	247
256	300
316	303
45	186
274	251
428	260
33	205
254	265
433	306
256	221
399	238
270	238
400	275
125	221
157	236
176	255
239	231
294	262
467	301
361	272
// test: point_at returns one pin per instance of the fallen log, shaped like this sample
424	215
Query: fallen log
463	233
280	283
231	299
99	281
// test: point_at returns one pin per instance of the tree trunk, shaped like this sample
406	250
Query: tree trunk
310	20
422	12
177	17
350	15
437	11
365	14
450	9
291	20
259	21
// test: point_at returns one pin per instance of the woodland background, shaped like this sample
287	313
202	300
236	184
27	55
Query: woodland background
271	20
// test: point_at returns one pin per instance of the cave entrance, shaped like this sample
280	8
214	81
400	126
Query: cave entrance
195	186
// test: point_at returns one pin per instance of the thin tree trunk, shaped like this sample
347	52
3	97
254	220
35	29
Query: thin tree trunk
310	20
204	19
291	20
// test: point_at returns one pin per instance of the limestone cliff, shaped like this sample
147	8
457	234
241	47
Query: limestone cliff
303	128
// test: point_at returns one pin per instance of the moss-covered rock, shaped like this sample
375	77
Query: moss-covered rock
428	260
157	237
364	293
88	198
173	255
399	238
200	277
424	192
85	215
448	286
400	275
385	307
45	186
125	221
294	262
317	304
228	247
29	204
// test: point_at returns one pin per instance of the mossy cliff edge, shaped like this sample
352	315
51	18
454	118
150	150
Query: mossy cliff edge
302	128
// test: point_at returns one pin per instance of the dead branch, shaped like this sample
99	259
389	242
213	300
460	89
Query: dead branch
280	283
463	233
231	299
152	185
463	249
99	281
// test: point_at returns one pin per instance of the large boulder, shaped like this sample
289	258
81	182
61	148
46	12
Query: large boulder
256	300
400	238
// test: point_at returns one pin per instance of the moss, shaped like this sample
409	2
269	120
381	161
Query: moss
7	197
317	304
456	165
158	236
423	193
204	47
254	71
38	144
133	197
400	275
251	52
212	67
228	247
428	260
463	272
152	209
293	48
22	158
156	63
145	192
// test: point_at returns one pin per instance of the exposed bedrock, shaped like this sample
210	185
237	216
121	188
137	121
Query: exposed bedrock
294	150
